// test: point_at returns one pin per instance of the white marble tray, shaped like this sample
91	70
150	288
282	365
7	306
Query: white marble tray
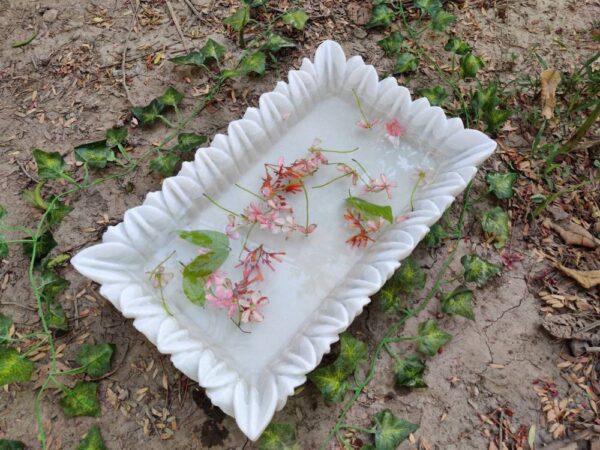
322	284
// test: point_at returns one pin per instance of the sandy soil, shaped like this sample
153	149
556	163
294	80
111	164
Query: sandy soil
65	88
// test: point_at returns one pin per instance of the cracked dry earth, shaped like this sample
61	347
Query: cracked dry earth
64	89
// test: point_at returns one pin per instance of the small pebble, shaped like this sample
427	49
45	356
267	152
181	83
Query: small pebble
50	15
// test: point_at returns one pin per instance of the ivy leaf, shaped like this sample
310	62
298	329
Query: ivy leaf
495	223
253	63
429	6
7	444
352	353
436	95
95	359
501	183
381	16
51	285
116	136
171	97
5	326
392	44
94	154
191	59
435	236
478	270
165	164
44	244
3	212
212	50
389	300
495	119
390	430
371	209
254	3
14	367
410	277
406	62
331	381
82	400
189	141
92	440
276	42
440	20
57	211
470	65
3	247
296	19
278	436
409	372
430	338
239	19
459	302
148	114
50	165
457	46
34	196
485	99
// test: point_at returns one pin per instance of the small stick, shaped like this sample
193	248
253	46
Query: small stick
124	56
176	22
194	10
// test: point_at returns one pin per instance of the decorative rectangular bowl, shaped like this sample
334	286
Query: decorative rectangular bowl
322	283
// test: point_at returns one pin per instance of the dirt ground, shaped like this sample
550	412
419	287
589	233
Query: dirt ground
65	89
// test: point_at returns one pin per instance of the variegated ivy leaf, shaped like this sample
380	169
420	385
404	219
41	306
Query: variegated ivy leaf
501	183
331	381
95	359
7	444
381	16
436	95
457	46
213	50
165	164
459	302
116	136
43	245
470	65
435	236
429	6
57	211
3	247
148	114
239	19
409	278
196	58
388	299
406	62
254	63
409	372
371	209
92	440
392	44
430	338
82	400
95	154
50	165
276	42
5	326
478	270
51	285
495	223
441	19
171	97
254	3
352	353
390	430
187	142
14	367
296	19
278	436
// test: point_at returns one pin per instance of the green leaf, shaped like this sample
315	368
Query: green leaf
171	97
495	119
191	59
213	240
253	63
410	277
406	62
495	223
485	99
435	236
381	16
50	286
390	430
44	244
436	95
3	212
478	270
165	164
35	196
26	41
115	136
409	372
50	165
254	3
430	338
82	400
5	325
276	42
371	209
187	142
94	154
457	46
193	286
459	302
392	44
57	211
7	444
331	381
429	6
278	436
239	19
352	353
213	50
92	440
3	247
296	19
14	367
148	114
470	65
95	359
501	183
204	265
389	300
441	20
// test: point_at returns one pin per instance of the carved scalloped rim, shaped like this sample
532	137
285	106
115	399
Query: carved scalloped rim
112	263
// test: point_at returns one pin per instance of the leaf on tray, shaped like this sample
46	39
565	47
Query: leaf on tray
371	209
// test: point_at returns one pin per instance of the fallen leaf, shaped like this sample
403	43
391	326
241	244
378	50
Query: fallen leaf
573	234
586	278
550	79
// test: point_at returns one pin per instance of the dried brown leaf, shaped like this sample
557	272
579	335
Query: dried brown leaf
550	79
573	234
586	278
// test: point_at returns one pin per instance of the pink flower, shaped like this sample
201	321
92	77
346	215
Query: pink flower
217	278
160	278
342	167
379	185
286	225
401	218
220	297
249	307
230	228
367	124
254	213
375	224
304	230
394	129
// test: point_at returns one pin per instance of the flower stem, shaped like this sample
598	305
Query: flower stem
306	199
249	192
246	240
332	181
214	202
362	168
324	150
412	193
367	122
